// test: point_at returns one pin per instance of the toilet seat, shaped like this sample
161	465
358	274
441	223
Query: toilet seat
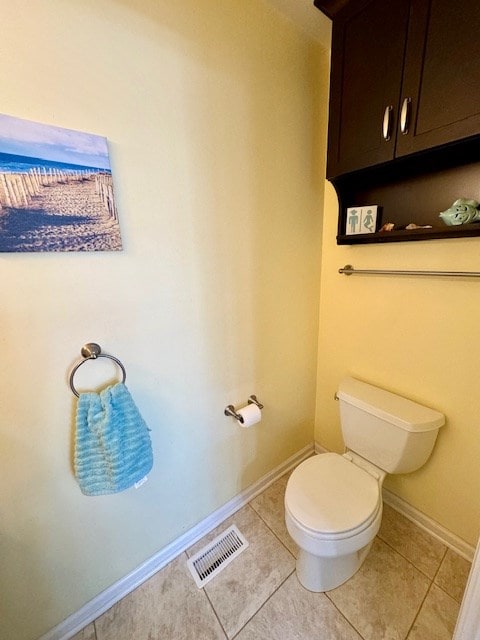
329	497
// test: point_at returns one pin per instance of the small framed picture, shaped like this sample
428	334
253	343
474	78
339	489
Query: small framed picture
361	219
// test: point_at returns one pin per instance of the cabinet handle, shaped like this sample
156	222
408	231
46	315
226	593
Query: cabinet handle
387	123
405	116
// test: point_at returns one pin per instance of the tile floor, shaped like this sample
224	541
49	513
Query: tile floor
409	588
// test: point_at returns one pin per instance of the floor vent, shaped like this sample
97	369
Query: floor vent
210	560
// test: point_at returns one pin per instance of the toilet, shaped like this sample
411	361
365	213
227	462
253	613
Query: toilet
333	502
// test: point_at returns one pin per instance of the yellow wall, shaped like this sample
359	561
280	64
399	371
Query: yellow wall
214	113
213	110
414	336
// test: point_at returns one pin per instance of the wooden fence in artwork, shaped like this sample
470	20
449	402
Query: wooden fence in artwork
104	189
17	190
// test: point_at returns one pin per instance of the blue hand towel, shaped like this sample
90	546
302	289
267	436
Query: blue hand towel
112	444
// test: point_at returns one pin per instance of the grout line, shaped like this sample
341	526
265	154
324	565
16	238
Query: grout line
263	604
215	613
430	579
440	565
411	561
255	513
343	615
447	594
273	531
429	526
326	594
443	588
258	514
419	609
266	523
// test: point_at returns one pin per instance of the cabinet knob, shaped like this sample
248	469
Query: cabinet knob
387	123
405	116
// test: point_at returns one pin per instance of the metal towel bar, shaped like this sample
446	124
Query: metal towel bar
348	270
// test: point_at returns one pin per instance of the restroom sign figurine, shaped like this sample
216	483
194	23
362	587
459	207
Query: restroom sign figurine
361	220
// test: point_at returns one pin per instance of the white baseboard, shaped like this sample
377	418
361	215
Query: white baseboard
432	527
319	448
105	600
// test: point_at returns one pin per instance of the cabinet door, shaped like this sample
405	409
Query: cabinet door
368	47
442	74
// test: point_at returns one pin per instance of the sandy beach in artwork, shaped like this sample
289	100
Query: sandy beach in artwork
60	213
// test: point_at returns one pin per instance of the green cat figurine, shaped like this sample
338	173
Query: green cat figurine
462	211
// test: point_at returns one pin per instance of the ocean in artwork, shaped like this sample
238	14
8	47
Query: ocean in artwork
56	190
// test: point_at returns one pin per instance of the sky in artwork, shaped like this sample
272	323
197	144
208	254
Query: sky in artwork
35	140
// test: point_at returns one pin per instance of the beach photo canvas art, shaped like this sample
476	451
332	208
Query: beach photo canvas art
56	190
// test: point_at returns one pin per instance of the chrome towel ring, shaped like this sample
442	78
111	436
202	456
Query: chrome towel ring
91	351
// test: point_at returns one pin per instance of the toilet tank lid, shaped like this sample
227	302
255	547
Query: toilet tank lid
388	406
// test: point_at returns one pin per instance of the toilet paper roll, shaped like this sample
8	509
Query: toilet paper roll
251	414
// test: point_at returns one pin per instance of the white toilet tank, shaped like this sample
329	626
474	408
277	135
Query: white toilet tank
390	431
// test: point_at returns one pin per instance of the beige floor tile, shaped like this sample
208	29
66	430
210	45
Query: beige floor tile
437	617
259	597
425	552
239	591
293	613
382	599
270	507
168	606
86	634
453	574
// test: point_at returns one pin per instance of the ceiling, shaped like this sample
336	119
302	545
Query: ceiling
307	17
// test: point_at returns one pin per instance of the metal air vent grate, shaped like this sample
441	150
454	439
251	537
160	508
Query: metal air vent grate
210	560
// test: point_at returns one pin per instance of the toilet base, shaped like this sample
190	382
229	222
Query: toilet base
317	573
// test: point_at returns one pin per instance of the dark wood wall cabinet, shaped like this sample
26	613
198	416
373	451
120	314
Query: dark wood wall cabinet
404	119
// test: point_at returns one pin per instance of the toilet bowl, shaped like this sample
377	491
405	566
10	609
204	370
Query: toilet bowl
333	510
333	502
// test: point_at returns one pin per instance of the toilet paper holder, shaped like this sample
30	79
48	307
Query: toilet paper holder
230	409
